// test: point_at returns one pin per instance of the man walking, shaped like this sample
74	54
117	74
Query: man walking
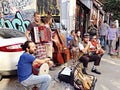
102	32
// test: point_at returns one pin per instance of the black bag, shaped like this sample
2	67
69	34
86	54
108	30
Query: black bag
65	75
93	32
77	79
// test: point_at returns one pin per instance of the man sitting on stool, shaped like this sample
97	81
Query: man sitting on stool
25	65
86	57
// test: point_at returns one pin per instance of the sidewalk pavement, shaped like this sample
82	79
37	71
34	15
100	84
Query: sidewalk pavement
11	83
57	85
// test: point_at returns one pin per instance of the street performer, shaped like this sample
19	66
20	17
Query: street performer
40	47
95	46
25	64
40	51
86	56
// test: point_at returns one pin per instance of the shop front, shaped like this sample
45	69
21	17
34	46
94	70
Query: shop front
82	17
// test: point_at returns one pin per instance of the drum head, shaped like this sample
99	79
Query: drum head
44	69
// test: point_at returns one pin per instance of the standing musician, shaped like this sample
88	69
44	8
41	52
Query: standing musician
49	45
40	47
36	23
25	64
30	36
86	55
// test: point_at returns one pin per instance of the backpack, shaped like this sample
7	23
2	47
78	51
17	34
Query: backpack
93	32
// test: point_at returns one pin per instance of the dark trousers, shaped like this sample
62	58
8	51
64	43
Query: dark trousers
117	43
85	59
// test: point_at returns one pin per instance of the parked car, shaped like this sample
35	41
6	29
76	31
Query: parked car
10	50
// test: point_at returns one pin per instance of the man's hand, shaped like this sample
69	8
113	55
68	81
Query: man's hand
46	60
89	43
73	48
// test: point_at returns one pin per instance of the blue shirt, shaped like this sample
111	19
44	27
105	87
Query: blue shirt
68	39
25	66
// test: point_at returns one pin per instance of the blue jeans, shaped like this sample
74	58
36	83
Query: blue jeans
42	80
103	41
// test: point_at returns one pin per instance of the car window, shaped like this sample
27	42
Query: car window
10	33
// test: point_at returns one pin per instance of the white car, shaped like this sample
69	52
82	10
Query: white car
10	50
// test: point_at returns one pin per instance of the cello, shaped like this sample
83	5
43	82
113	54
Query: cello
61	54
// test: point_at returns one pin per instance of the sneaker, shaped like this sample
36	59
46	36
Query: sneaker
115	50
84	71
95	71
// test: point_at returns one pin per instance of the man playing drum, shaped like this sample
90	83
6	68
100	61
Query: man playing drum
25	66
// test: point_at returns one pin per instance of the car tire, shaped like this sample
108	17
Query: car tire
0	77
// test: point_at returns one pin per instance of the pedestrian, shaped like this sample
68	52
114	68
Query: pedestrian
86	56
102	33
117	43
25	65
112	36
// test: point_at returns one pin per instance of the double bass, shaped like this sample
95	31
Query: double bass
61	53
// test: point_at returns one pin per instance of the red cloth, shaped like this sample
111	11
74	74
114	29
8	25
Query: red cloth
40	51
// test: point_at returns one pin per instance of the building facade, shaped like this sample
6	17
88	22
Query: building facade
17	14
72	14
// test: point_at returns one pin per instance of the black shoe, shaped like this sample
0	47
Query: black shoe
95	71
84	71
57	64
35	88
110	54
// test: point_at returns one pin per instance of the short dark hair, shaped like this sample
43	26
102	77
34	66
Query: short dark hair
77	31
36	13
72	31
105	21
26	45
47	18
